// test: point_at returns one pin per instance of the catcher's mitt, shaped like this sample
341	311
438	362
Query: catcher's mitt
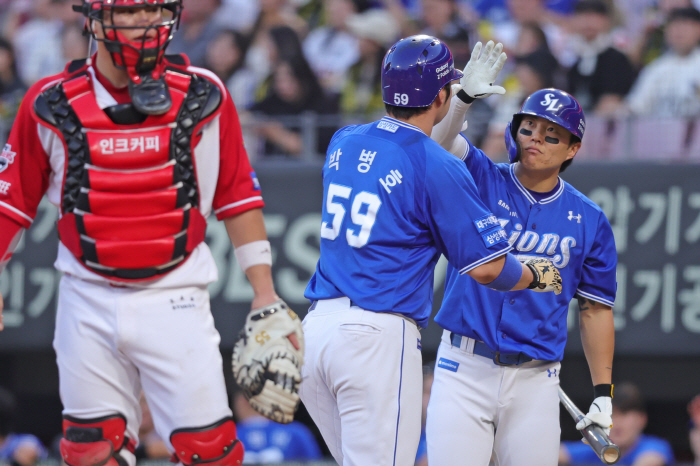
547	276
267	360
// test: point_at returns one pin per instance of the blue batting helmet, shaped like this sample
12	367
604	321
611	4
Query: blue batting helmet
415	69
553	105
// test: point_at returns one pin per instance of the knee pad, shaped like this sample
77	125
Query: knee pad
213	445
95	442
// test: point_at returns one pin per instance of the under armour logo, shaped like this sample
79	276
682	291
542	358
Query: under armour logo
572	216
551	372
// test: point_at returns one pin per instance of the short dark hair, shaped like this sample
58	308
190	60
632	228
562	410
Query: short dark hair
689	13
628	397
574	139
405	113
592	6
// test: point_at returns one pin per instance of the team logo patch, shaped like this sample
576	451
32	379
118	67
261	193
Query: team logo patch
448	364
486	222
256	183
387	126
6	157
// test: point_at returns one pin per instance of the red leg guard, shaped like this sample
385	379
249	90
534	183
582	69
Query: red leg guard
94	442
213	445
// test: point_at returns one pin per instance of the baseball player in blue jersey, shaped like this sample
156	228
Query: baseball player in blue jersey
498	364
393	201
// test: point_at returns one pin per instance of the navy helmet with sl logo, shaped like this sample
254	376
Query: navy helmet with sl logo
415	69
551	104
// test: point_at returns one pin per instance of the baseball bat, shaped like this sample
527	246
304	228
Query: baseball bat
607	451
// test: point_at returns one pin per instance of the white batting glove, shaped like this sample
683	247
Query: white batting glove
599	413
482	70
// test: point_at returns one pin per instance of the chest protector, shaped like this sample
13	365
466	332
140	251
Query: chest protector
130	196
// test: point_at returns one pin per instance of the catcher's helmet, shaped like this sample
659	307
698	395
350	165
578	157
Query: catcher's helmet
415	69
553	105
135	56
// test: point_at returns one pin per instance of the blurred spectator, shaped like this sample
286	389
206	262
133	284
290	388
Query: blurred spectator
198	27
74	44
38	43
649	43
151	445
226	57
670	85
629	420
376	29
496	10
275	13
533	71
239	15
17	449
267	441
441	19
428	376
331	50
602	75
12	89
293	91
268	46
528	11
694	435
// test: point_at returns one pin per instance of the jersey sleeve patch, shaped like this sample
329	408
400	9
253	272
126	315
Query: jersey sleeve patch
256	182
486	222
494	237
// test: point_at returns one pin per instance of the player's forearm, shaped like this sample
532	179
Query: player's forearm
598	338
446	132
248	235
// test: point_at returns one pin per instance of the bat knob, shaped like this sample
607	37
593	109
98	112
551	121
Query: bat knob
610	455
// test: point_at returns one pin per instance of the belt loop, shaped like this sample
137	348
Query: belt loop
469	347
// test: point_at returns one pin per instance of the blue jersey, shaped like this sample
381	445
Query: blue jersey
566	228
266	441
583	454
393	201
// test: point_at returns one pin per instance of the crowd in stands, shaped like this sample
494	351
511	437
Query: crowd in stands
299	69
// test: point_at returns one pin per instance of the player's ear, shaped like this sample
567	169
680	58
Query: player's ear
574	147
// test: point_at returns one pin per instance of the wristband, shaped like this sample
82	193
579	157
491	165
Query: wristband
603	389
464	97
535	277
510	275
254	253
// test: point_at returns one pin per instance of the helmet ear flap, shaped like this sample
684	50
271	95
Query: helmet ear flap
511	141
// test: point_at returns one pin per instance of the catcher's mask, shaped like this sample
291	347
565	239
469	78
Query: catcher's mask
141	58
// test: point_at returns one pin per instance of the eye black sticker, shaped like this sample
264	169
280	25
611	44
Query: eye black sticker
551	140
526	132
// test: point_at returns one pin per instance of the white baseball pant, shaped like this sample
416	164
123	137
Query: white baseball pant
478	408
362	383
110	342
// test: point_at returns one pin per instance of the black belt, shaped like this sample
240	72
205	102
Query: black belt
499	358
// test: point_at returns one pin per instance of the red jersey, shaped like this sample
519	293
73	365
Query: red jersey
126	182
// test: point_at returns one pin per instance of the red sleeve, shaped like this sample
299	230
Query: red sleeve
237	189
24	166
9	237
